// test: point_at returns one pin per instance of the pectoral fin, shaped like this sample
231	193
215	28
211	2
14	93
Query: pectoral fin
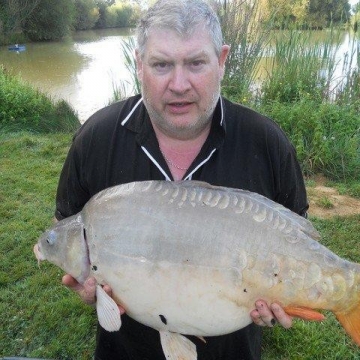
107	310
304	313
177	346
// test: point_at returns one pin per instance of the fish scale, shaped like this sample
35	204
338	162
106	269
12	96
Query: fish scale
191	258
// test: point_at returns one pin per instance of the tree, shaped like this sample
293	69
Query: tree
50	20
284	12
87	14
102	5
322	13
13	13
122	13
356	8
106	2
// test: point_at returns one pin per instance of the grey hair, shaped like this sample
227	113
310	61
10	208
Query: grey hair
182	16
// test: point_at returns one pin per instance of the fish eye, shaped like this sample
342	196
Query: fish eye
50	239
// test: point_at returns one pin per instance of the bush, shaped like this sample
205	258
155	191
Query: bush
121	15
51	20
24	108
87	14
326	136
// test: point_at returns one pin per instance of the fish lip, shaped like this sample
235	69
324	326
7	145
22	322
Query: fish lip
38	253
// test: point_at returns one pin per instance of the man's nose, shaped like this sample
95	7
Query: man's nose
179	82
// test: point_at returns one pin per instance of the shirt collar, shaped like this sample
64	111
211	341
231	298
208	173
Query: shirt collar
138	121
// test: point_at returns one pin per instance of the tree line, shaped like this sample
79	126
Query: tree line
54	19
310	14
41	20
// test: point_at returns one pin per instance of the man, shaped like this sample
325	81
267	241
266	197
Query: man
180	128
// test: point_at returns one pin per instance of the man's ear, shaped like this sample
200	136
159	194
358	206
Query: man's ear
222	59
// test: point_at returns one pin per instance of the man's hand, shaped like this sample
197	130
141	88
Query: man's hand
264	315
87	291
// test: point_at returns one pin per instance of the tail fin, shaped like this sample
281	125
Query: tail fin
351	323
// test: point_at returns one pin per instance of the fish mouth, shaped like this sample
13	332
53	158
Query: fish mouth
38	253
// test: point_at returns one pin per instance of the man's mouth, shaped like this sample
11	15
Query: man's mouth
180	107
180	104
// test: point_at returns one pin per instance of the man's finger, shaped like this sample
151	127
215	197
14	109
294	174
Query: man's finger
70	282
284	319
265	313
256	318
86	291
108	290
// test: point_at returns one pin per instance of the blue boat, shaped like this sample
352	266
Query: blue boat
17	47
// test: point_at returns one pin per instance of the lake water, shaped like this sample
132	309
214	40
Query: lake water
82	70
85	69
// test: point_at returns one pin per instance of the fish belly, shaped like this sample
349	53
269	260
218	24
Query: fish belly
180	298
193	259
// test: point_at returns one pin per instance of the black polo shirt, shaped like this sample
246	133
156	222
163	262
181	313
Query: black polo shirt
243	150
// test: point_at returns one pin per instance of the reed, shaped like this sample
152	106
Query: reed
349	90
316	108
248	37
299	67
127	88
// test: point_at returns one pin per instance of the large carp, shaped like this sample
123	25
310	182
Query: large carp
190	258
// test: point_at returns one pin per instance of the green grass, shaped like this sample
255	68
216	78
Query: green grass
41	318
325	203
326	340
326	136
22	107
38	316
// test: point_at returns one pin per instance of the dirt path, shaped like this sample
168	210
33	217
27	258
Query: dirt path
326	202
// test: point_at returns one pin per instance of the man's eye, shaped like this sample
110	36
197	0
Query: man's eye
197	64
161	65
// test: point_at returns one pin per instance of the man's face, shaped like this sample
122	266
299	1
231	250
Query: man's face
180	81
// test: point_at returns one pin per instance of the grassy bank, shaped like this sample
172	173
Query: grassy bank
24	108
326	135
40	318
